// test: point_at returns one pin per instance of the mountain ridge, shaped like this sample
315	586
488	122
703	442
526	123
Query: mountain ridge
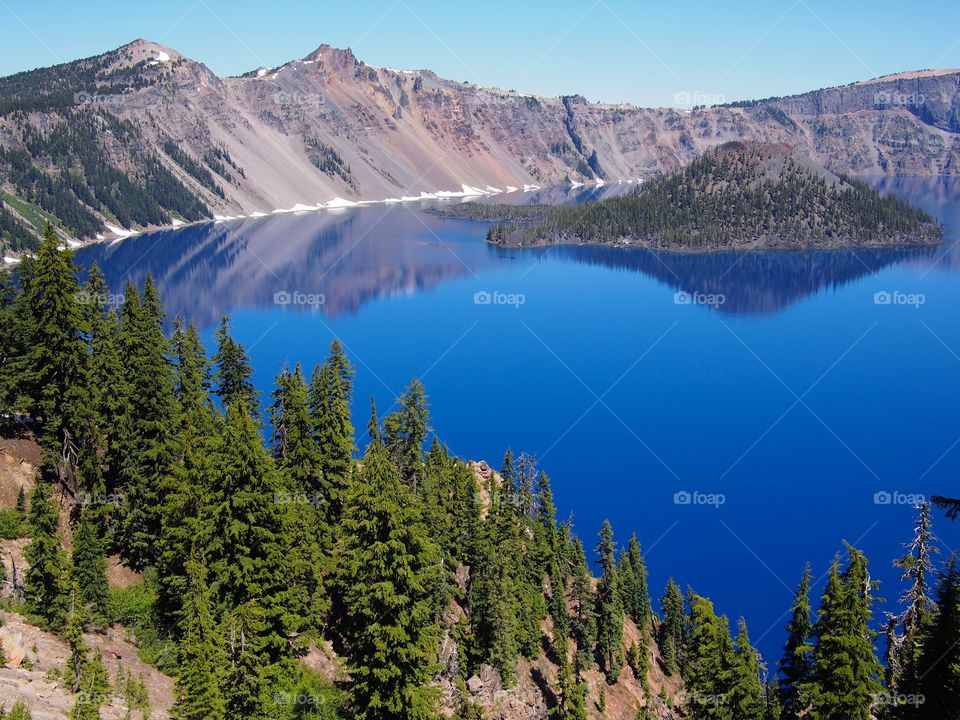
328	128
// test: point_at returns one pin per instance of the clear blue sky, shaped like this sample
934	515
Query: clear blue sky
608	50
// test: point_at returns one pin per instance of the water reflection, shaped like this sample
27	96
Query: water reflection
349	257
352	257
751	282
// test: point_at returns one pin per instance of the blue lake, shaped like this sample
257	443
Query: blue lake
795	399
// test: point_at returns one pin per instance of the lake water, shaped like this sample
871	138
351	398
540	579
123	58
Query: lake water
743	413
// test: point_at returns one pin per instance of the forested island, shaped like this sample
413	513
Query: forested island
742	195
291	579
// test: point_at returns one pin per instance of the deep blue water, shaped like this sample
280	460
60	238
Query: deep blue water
797	399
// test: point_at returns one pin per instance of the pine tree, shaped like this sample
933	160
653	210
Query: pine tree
86	676
406	430
151	450
745	696
232	377
88	569
940	661
707	668
583	622
330	396
197	689
917	618
188	494
298	458
246	678
57	352
45	577
571	693
243	538
796	666
846	671
609	607
672	629
633	582
294	446
387	565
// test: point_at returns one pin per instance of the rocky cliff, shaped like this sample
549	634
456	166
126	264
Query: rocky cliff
329	127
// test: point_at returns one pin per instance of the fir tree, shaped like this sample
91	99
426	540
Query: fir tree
232	377
940	659
331	393
247	552
88	569
709	658
45	577
57	352
406	430
197	689
246	678
917	617
846	671
387	567
152	449
796	666
583	623
609	607
672	629
745	696
571	693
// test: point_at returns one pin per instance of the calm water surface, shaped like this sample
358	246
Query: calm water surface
797	404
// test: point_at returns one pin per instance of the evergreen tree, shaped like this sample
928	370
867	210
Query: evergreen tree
294	446
796	666
197	689
188	495
571	693
406	430
917	617
247	552
940	660
672	629
609	607
331	393
746	696
246	679
707	670
846	671
88	569
633	583
152	448
583	623
45	577
387	565
233	373
57	353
